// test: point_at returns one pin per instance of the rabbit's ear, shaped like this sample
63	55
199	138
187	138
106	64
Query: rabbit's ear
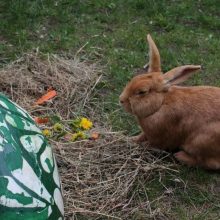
154	56
179	74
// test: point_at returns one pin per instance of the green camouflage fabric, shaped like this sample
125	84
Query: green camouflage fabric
30	188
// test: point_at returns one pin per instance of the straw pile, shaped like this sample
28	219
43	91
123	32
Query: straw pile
102	179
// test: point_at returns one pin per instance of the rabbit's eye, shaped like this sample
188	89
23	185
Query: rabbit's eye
142	92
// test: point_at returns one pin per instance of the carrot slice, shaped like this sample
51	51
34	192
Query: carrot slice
49	95
39	120
94	136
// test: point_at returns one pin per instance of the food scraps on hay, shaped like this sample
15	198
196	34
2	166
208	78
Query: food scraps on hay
68	130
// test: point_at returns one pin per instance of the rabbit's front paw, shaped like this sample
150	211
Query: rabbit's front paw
139	138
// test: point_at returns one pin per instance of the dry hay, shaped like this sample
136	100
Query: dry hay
102	179
29	77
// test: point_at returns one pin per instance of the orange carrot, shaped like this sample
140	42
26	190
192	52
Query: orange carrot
49	95
39	120
94	136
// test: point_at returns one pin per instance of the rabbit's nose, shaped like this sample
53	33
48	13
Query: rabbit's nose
121	100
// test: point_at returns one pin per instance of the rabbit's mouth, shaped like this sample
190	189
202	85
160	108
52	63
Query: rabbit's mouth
127	106
125	103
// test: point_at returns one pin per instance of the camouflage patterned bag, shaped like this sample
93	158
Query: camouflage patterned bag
29	182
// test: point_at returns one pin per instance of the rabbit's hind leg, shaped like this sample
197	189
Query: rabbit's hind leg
185	158
206	163
212	163
204	146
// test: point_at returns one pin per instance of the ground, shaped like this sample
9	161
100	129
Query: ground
113	33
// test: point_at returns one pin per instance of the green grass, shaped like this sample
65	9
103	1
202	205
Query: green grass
190	194
186	32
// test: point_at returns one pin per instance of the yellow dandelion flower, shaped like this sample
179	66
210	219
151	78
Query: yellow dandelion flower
57	127
85	124
47	133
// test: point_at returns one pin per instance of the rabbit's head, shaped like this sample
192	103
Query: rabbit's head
145	93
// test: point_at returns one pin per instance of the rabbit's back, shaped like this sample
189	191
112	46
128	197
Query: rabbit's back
184	111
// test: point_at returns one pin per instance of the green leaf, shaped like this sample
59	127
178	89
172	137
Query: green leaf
54	119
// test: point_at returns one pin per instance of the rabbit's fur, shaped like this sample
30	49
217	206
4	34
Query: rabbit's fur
176	117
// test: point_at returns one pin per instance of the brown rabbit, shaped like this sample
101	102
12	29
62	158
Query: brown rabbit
176	117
